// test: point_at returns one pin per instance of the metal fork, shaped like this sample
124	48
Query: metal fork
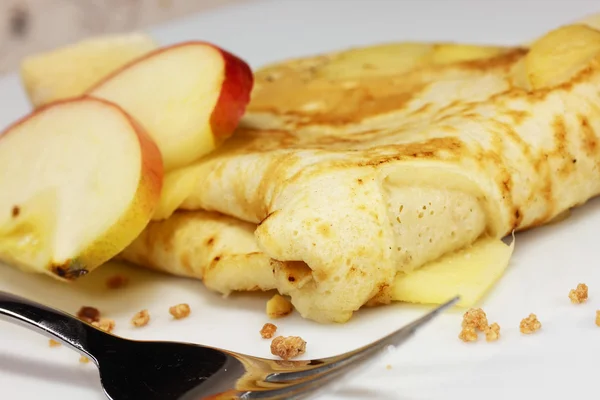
131	369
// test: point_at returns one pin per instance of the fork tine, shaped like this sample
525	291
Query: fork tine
338	363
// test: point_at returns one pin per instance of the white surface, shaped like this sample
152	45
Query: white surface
560	360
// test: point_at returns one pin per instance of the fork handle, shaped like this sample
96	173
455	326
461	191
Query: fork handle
47	321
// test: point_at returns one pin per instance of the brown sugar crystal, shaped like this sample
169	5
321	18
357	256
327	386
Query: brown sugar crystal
106	324
476	318
141	318
268	330
492	332
468	334
530	324
579	294
180	311
288	347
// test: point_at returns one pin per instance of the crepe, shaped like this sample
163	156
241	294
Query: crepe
219	250
222	252
358	167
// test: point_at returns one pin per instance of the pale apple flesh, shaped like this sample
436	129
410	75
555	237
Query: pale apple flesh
177	186
189	97
80	180
68	71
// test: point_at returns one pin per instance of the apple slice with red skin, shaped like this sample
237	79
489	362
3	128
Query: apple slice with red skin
80	179
189	97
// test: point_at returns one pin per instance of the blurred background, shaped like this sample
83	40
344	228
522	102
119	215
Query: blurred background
29	26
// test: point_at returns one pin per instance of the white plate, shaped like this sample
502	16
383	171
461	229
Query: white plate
560	360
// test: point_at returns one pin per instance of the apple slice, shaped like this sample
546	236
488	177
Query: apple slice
79	180
189	97
558	56
177	187
69	71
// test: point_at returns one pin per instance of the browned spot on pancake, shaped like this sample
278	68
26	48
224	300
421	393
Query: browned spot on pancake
544	191
560	133
517	116
561	150
518	218
291	278
424	108
210	241
353	271
361	251
383	296
212	265
588	137
503	61
580	76
360	181
448	129
506	183
320	275
325	230
160	234
445	147
15	211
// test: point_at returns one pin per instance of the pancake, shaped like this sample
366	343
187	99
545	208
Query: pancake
218	249
361	166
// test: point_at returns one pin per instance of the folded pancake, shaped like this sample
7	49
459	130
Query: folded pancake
362	166
219	250
222	252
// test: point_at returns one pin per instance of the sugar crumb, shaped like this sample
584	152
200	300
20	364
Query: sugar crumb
530	324
492	332
476	318
180	311
288	347
579	294
268	330
468	334
106	324
141	318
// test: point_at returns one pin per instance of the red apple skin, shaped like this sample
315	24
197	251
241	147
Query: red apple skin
236	88
235	94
